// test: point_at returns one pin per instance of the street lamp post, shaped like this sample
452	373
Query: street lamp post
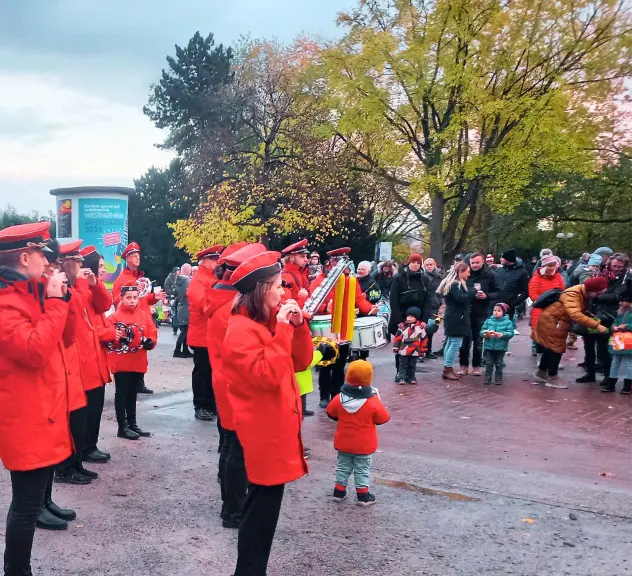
563	236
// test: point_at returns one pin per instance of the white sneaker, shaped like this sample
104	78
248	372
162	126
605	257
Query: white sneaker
556	382
516	333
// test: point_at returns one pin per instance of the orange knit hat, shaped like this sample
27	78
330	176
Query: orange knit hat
359	373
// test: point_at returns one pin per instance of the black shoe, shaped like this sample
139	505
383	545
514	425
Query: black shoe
71	477
627	387
48	521
178	354
365	499
488	382
127	434
431	356
203	414
63	513
97	457
145	390
308	412
231	522
135	428
608	384
87	473
306	453
187	354
587	378
339	495
498	382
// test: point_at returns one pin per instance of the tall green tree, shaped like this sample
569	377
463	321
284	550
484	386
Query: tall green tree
11	217
161	197
188	97
456	102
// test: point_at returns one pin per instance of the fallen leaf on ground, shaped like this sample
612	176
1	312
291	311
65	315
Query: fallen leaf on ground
611	407
528	520
78	525
606	474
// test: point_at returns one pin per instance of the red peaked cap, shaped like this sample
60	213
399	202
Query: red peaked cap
248	251
130	286
339	252
88	250
296	248
29	236
210	252
130	249
231	250
70	250
256	269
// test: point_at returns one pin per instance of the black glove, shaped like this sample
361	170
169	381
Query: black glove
327	351
149	344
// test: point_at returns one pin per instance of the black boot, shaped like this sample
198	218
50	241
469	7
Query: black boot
589	377
97	456
63	513
127	434
71	476
627	386
88	473
48	521
608	384
137	430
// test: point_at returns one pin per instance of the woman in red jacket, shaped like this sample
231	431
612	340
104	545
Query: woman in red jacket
136	333
94	366
545	277
264	346
34	434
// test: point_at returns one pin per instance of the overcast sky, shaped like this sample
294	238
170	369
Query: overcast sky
75	74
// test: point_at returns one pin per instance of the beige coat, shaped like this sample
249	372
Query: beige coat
556	320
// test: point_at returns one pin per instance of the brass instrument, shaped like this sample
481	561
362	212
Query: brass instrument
316	340
318	296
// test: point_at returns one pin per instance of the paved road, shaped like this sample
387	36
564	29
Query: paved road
470	480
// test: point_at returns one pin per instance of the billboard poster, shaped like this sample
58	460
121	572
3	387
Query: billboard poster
64	218
103	223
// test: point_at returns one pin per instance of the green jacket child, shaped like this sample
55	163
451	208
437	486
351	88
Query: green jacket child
504	325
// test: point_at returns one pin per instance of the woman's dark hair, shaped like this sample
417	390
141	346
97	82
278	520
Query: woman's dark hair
253	301
219	271
92	261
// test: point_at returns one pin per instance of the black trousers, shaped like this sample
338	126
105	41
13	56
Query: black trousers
96	398
494	359
78	421
406	370
202	380
126	391
550	362
474	341
331	378
233	478
28	493
258	526
181	342
596	348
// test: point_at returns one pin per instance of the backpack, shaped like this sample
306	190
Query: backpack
547	298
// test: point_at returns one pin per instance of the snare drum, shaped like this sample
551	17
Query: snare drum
369	332
321	326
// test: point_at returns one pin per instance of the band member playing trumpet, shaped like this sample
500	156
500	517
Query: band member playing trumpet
132	273
295	272
331	378
135	334
34	434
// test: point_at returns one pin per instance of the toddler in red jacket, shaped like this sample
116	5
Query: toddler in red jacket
358	410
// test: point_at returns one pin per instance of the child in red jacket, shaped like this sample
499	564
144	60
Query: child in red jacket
135	334
358	410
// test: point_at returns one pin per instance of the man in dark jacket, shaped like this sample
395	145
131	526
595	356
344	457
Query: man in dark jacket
512	280
170	284
431	279
605	307
483	280
182	305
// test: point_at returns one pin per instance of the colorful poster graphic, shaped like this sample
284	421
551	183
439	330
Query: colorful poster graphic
103	223
64	218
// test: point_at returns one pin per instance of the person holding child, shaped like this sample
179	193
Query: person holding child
358	409
496	332
410	342
621	351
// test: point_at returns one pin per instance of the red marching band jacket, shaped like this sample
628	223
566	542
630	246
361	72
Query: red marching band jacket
75	330
259	363
295	279
217	310
126	276
142	324
34	430
361	303
203	280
